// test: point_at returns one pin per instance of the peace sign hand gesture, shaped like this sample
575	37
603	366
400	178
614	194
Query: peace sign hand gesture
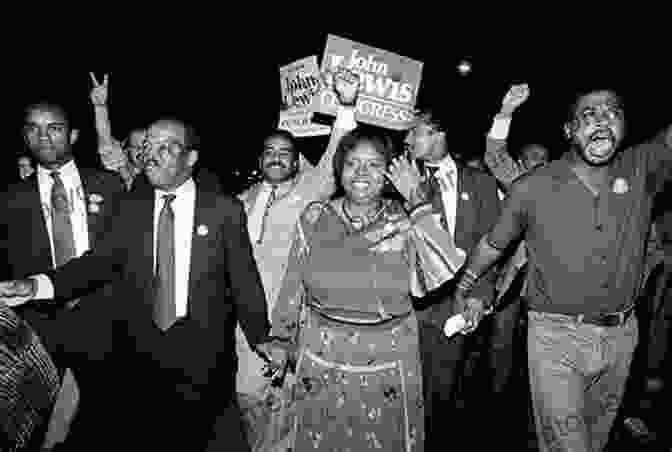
99	91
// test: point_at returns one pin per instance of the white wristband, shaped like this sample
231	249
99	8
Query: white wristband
345	118
500	128
45	289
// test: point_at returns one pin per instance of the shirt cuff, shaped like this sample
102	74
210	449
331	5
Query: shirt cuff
500	128
345	118
45	288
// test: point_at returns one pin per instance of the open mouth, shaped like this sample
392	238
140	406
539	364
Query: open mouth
601	142
361	185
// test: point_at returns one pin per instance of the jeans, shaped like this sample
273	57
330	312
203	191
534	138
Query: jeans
578	373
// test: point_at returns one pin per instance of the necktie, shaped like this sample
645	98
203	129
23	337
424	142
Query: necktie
432	179
165	313
267	208
61	225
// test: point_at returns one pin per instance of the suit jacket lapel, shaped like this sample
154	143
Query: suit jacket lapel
139	235
91	218
465	207
250	198
204	215
39	238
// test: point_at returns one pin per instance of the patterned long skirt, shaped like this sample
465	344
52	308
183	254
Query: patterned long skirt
357	388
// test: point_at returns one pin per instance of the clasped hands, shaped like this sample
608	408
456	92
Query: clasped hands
472	309
276	356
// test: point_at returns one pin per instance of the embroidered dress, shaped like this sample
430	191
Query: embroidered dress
345	307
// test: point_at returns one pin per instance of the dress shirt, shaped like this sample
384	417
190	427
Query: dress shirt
69	174
447	177
184	209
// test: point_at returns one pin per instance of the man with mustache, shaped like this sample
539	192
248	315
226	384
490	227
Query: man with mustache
123	157
180	256
585	218
273	207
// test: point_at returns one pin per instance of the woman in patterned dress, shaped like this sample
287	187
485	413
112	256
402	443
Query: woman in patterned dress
345	310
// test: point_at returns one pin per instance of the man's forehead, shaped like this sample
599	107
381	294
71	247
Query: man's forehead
278	142
166	130
44	115
597	98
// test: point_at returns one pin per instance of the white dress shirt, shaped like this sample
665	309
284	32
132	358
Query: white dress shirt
69	174
184	207
447	177
256	217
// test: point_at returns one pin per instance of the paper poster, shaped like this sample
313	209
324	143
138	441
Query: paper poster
299	122
390	83
300	84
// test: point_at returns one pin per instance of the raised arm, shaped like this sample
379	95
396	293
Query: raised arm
321	178
99	94
504	167
110	150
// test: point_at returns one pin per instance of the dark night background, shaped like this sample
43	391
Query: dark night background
227	85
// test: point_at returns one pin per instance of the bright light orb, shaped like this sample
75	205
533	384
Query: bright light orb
464	67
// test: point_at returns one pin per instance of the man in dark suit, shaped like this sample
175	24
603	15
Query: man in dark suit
34	235
468	204
184	258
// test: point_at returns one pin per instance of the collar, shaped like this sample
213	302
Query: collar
67	171
446	164
282	189
187	188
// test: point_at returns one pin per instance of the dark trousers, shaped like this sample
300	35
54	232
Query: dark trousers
164	415
506	329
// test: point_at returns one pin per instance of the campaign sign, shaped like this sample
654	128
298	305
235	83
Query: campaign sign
300	84
390	83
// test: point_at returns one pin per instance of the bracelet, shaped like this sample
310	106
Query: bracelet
99	104
468	280
470	273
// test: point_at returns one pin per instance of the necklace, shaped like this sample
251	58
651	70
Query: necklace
360	221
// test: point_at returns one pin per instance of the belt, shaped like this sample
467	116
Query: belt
608	319
352	319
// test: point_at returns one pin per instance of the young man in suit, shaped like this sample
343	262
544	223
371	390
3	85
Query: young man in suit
56	214
468	204
183	257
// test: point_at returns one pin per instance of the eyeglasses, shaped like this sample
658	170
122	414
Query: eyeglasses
592	115
163	149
